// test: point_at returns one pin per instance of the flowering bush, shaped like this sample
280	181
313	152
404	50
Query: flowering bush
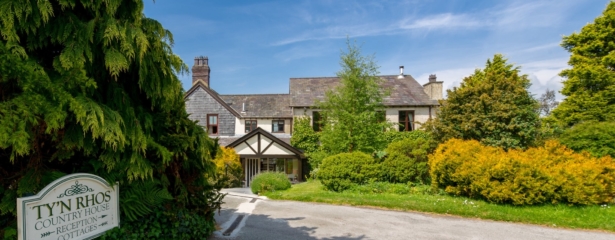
228	167
552	173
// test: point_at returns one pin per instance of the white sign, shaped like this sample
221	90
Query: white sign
76	206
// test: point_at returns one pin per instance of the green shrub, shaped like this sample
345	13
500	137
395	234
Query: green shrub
597	138
315	158
551	173
342	171
396	136
269	182
406	160
163	224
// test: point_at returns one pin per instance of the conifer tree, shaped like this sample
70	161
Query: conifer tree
91	86
350	111
589	86
492	106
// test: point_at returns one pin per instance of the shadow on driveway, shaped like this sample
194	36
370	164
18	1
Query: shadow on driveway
263	227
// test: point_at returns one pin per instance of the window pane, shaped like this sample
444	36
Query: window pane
289	166
272	163
250	125
280	165
277	126
316	121
402	116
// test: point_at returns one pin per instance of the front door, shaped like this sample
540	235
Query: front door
252	168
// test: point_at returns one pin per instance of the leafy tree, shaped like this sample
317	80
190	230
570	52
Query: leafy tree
492	106
91	86
589	86
351	120
597	138
228	167
304	137
547	102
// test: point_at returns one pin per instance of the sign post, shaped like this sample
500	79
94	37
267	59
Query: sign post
76	206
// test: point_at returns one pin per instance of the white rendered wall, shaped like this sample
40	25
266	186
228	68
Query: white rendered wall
265	124
421	114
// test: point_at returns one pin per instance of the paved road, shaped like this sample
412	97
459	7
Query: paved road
268	219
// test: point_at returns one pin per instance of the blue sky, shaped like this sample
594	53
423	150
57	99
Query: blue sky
256	46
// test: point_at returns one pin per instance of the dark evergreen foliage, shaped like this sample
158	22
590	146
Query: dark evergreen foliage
589	86
492	106
91	86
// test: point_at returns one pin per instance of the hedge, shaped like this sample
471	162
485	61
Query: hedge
552	173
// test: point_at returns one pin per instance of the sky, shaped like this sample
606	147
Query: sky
254	47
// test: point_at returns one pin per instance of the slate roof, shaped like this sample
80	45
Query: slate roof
403	91
260	105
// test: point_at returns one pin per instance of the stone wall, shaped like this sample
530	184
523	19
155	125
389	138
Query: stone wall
200	103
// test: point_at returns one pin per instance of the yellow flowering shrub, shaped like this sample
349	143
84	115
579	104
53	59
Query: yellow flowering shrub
551	173
228	167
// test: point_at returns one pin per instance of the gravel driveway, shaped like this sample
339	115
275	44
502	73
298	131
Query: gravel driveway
268	219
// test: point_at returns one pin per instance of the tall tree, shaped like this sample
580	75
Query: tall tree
492	106
91	86
589	86
547	102
351	120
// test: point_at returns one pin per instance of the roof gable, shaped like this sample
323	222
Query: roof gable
261	147
199	85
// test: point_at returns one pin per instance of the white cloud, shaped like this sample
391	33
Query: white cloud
439	21
542	74
511	16
545	71
541	47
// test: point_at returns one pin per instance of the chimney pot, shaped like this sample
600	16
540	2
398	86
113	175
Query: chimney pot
432	77
201	70
401	72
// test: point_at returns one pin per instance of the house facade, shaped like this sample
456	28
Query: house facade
259	126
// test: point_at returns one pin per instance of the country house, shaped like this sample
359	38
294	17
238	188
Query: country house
259	126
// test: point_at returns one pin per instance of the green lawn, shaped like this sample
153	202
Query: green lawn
589	217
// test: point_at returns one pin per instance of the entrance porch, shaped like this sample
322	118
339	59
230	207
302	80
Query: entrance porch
260	151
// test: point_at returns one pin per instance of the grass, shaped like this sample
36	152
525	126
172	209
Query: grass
560	215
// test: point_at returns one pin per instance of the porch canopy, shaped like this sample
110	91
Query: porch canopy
261	151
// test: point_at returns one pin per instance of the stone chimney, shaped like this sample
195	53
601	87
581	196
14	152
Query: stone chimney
200	70
433	88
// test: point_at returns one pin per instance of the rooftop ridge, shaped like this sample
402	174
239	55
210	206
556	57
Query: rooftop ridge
338	77
256	94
